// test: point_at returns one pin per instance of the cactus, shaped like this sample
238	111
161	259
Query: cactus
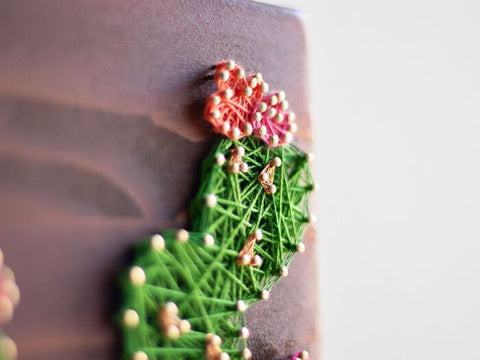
187	292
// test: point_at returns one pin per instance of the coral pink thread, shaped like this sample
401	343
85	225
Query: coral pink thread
229	109
241	107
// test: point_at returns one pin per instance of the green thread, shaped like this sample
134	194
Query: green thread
205	281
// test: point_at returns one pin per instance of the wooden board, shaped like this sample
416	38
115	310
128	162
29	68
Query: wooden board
101	140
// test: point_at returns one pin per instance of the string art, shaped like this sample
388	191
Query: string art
9	299
186	294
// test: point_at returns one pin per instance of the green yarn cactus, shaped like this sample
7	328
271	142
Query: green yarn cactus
201	271
186	294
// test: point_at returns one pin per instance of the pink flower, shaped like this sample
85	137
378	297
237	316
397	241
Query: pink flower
272	122
229	109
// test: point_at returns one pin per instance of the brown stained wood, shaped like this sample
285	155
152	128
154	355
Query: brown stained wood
101	141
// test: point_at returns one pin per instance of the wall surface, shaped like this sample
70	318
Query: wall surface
395	94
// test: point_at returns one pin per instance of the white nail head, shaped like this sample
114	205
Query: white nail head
262	107
248	129
235	168
244	167
262	131
248	91
310	157
241	306
272	112
173	332
288	136
291	116
182	236
230	65
12	291
224	356
216	114
185	326
140	355
258	234
215	99
281	95
171	308
274	140
265	87
7	273
209	240
293	127
273	100
304	355
226	126
277	161
253	83
131	318
6	309
240	74
259	77
240	150
220	159
244	333
236	132
257	116
8	348
301	247
224	75
228	93
246	354
284	105
265	177
273	189
137	275
214	339
211	200
157	242
265	294
246	259
283	271
257	260
279	118
312	218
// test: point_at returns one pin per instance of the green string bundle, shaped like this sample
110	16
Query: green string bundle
186	294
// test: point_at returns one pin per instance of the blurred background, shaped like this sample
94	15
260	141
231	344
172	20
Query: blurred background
395	97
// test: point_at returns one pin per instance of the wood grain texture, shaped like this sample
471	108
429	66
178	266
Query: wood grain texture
101	140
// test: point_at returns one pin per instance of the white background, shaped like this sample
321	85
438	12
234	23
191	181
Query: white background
395	95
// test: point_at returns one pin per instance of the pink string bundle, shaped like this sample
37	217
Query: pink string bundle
242	106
